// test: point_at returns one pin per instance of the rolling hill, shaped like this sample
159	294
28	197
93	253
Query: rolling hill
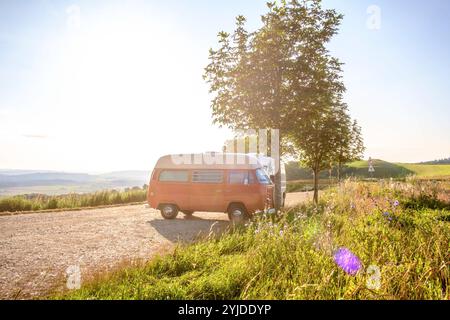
14	182
383	169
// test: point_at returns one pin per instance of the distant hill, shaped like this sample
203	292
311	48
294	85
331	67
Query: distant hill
49	178
383	169
131	174
17	172
440	161
48	182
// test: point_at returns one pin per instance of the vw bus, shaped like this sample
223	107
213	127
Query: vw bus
235	184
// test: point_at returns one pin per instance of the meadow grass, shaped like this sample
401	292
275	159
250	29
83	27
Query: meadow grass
70	201
399	229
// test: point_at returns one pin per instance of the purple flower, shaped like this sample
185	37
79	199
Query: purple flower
388	216
348	262
396	203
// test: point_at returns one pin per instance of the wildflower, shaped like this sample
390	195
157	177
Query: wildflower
387	215
300	215
396	203
347	261
352	206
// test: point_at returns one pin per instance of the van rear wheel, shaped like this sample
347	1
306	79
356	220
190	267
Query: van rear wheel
237	214
169	211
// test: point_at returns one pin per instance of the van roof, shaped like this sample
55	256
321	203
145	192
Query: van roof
214	161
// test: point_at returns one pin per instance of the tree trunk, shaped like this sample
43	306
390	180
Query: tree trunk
339	172
316	186
278	198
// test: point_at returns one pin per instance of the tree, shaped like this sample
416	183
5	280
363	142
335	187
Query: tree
278	76
330	137
349	143
315	142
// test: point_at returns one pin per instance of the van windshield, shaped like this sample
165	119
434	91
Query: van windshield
262	176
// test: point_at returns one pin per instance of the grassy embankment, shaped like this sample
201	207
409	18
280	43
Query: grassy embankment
293	256
71	201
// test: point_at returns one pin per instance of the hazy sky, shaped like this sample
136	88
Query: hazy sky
108	85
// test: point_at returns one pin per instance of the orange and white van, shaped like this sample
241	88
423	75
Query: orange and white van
233	183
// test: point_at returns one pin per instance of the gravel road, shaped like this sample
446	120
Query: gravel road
37	249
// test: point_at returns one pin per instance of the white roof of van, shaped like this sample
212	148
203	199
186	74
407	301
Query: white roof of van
214	161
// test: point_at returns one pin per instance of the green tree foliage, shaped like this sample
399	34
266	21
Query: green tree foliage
316	141
349	143
281	76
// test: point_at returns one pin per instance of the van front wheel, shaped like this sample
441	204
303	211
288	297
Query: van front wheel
237	214
169	211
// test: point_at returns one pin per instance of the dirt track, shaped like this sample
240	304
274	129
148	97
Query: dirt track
36	249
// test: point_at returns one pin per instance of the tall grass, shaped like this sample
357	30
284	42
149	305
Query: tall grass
292	256
70	201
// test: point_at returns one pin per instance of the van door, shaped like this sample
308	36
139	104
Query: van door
207	190
242	187
173	187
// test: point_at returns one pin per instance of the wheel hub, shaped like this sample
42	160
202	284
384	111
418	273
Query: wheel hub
237	213
168	210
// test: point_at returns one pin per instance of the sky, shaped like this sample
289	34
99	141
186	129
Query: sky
98	86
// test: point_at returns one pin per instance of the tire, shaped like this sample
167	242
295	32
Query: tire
188	213
168	211
237	214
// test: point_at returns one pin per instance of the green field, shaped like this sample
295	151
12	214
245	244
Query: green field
383	169
428	171
397	170
398	238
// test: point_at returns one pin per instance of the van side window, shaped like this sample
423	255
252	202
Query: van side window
240	177
174	176
207	176
262	177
